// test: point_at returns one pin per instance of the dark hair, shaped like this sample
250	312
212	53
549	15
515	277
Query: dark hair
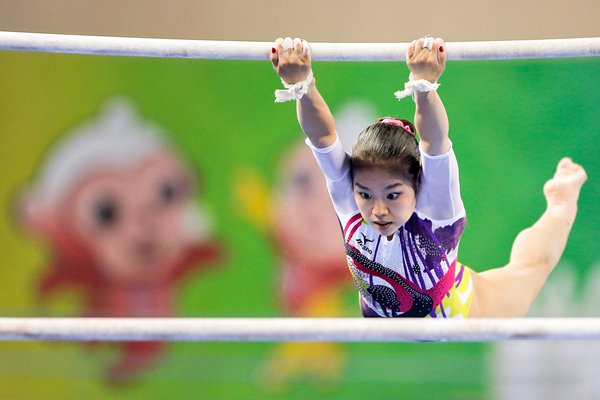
389	145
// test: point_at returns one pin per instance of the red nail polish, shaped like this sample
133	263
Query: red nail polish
273	50
441	49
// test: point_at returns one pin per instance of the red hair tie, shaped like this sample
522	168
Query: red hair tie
397	122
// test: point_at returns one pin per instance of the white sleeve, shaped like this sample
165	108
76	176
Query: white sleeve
335	164
439	194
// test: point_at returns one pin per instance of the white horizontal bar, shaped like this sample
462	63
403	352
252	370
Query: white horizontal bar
238	50
298	329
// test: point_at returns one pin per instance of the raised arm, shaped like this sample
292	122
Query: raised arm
293	64
431	119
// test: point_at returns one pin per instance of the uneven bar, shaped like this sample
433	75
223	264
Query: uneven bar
297	329
242	50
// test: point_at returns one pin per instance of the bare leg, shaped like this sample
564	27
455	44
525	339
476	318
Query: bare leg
510	291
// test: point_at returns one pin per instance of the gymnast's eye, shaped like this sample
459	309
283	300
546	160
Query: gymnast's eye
393	196
106	213
364	195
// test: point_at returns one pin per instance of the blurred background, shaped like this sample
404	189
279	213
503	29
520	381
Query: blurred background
162	187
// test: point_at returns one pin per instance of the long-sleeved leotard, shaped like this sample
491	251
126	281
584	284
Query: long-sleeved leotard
416	273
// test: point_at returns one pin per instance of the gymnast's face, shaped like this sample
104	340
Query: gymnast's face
386	200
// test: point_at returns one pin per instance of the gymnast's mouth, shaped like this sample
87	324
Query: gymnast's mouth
382	225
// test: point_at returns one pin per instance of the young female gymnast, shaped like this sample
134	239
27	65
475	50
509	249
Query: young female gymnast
398	201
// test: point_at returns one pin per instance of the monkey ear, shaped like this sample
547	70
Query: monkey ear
31	214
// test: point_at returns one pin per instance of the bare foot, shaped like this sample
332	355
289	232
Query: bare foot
562	191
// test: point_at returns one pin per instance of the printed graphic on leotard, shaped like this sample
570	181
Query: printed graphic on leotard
418	271
385	296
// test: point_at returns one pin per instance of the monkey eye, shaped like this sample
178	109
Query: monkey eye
106	213
174	189
168	192
301	179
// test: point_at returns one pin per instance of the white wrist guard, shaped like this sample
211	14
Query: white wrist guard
294	91
410	87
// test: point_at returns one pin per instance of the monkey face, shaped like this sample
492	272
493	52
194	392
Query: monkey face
305	222
134	220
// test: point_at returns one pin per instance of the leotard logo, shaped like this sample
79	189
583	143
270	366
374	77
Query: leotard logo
363	243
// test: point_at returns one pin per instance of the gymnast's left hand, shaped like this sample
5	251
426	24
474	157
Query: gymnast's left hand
291	59
424	62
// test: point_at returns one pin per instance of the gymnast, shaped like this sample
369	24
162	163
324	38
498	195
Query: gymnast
399	205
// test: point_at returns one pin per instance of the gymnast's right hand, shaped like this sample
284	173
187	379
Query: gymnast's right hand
291	59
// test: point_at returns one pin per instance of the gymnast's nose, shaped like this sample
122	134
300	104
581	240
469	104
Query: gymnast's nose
379	209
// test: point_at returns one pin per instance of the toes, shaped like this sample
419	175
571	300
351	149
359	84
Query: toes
565	163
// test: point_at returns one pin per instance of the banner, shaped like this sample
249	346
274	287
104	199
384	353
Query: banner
155	188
